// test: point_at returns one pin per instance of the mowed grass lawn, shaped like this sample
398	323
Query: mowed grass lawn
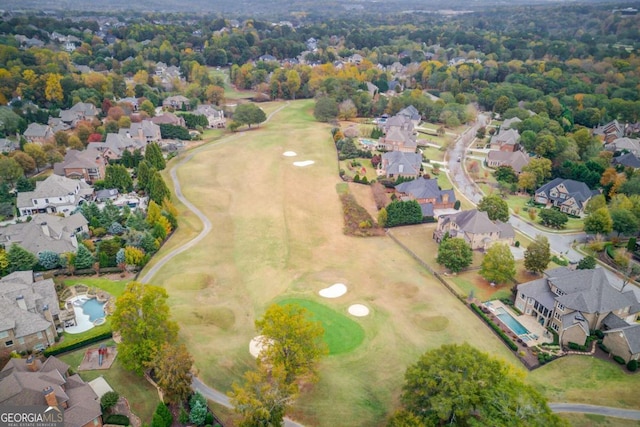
341	334
277	234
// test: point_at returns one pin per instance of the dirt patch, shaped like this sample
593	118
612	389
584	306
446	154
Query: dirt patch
222	317
485	290
431	323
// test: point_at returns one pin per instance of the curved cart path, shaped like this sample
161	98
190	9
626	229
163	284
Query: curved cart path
630	414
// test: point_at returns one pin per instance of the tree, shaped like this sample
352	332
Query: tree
147	107
460	385
599	222
293	83
144	175
162	417
541	168
20	259
153	155
455	254
84	259
587	263
134	256
142	318
25	161
553	218
538	255
198	406
36	152
326	109
109	400
10	170
172	366
495	207
624	222
596	202
117	176
158	190
48	259
264	397
527	181
4	262
505	174
53	90
25	184
498	265
403	213
248	114
292	341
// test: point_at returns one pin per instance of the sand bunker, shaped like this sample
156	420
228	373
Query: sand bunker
305	163
333	291
289	154
358	310
257	344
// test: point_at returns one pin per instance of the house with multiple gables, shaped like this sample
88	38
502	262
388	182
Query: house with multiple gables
622	339
30	315
82	111
88	165
396	164
55	195
145	132
575	302
31	382
214	115
38	133
177	102
427	193
610	131
515	159
411	113
506	140
568	195
46	233
631	145
168	118
627	160
399	135
475	228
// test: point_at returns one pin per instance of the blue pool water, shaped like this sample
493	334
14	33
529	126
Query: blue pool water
512	323
368	142
94	309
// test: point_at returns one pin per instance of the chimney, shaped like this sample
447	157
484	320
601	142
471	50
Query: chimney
50	396
45	229
445	198
32	363
21	302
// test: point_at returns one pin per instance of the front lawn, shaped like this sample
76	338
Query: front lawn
141	395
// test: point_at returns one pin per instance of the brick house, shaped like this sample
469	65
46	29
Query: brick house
87	164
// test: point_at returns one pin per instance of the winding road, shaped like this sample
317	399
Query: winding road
459	179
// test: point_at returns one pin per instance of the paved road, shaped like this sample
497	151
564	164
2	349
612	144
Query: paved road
629	414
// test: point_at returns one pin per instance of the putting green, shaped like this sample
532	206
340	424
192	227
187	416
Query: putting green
340	333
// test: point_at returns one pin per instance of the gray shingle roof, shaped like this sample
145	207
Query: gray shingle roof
423	188
45	233
629	160
399	162
539	290
576	189
611	321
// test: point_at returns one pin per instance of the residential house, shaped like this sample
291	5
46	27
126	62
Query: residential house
356	58
56	194
115	145
29	313
396	164
610	131
506	140
177	102
30	382
516	159
568	195
134	102
508	123
399	135
46	233
475	228
632	129
38	133
623	340
575	302
628	160
81	111
144	132
411	114
214	115
630	145
7	145
107	194
427	193
267	58
168	119
88	165
57	124
372	89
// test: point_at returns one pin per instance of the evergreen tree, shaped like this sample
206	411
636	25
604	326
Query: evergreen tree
20	259
84	259
153	155
48	259
117	176
144	175
158	190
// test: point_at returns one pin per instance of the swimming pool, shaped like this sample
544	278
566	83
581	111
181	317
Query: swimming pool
368	142
94	309
89	312
511	322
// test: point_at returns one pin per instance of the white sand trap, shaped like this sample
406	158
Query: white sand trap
289	154
358	310
257	344
333	291
305	163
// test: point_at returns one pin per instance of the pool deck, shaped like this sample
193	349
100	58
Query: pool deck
527	321
83	323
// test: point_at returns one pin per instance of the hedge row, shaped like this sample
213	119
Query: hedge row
577	347
62	348
513	346
117	419
619	359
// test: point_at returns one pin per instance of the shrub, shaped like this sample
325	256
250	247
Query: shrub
559	261
632	365
109	400
619	359
599	334
577	347
456	205
603	347
117	419
517	243
183	417
164	415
